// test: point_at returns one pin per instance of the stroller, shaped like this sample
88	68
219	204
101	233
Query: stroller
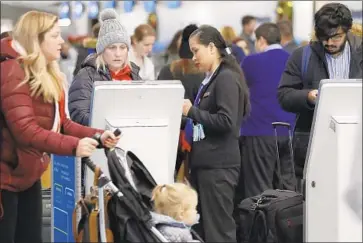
129	209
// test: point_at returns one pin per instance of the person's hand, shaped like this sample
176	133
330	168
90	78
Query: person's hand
186	106
85	147
109	140
312	95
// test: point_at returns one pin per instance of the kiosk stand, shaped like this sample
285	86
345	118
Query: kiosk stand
66	191
330	159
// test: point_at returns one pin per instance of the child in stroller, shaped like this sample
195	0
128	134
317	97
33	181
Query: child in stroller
175	211
128	214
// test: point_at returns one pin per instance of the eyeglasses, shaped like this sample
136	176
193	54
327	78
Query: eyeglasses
335	38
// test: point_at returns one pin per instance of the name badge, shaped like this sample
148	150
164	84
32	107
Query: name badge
206	94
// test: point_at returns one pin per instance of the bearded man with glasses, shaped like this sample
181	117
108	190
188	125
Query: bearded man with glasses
334	53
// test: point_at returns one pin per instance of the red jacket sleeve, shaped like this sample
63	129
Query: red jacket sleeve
17	107
77	130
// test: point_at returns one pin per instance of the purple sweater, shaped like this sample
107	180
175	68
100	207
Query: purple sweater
263	73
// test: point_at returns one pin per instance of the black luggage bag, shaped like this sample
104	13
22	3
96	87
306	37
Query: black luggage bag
274	215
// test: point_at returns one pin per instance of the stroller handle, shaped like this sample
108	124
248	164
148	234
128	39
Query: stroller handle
89	163
97	137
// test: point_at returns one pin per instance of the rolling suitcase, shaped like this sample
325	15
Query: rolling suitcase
274	215
47	211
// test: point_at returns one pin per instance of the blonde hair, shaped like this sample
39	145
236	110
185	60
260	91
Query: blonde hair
357	29
228	34
174	199
45	79
100	62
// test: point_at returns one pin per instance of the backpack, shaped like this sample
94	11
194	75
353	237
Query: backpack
305	62
301	139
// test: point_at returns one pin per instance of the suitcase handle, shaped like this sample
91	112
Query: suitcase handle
281	124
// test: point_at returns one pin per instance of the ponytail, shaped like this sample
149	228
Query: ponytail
231	63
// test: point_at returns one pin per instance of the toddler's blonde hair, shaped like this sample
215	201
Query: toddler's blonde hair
174	199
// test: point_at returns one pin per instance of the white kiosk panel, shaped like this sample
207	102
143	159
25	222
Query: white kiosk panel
149	115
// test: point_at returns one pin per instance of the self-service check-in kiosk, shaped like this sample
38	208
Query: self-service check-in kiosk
331	157
149	115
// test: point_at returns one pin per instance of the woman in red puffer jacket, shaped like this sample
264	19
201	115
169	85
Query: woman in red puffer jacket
34	123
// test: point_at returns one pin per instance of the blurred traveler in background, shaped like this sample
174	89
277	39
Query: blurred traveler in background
88	47
242	43
287	37
248	28
142	43
171	54
228	34
68	61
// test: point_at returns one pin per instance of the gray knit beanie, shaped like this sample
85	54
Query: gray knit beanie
111	31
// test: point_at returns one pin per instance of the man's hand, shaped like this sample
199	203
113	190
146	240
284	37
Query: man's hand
312	95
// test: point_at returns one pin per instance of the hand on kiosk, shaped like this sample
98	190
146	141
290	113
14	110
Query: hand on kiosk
108	139
186	106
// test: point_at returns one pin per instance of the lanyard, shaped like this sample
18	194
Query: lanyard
204	83
197	98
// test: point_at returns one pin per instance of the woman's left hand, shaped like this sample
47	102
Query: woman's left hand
186	107
109	140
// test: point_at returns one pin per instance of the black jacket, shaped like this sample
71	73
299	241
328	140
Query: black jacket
220	112
293	92
82	55
291	47
80	92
